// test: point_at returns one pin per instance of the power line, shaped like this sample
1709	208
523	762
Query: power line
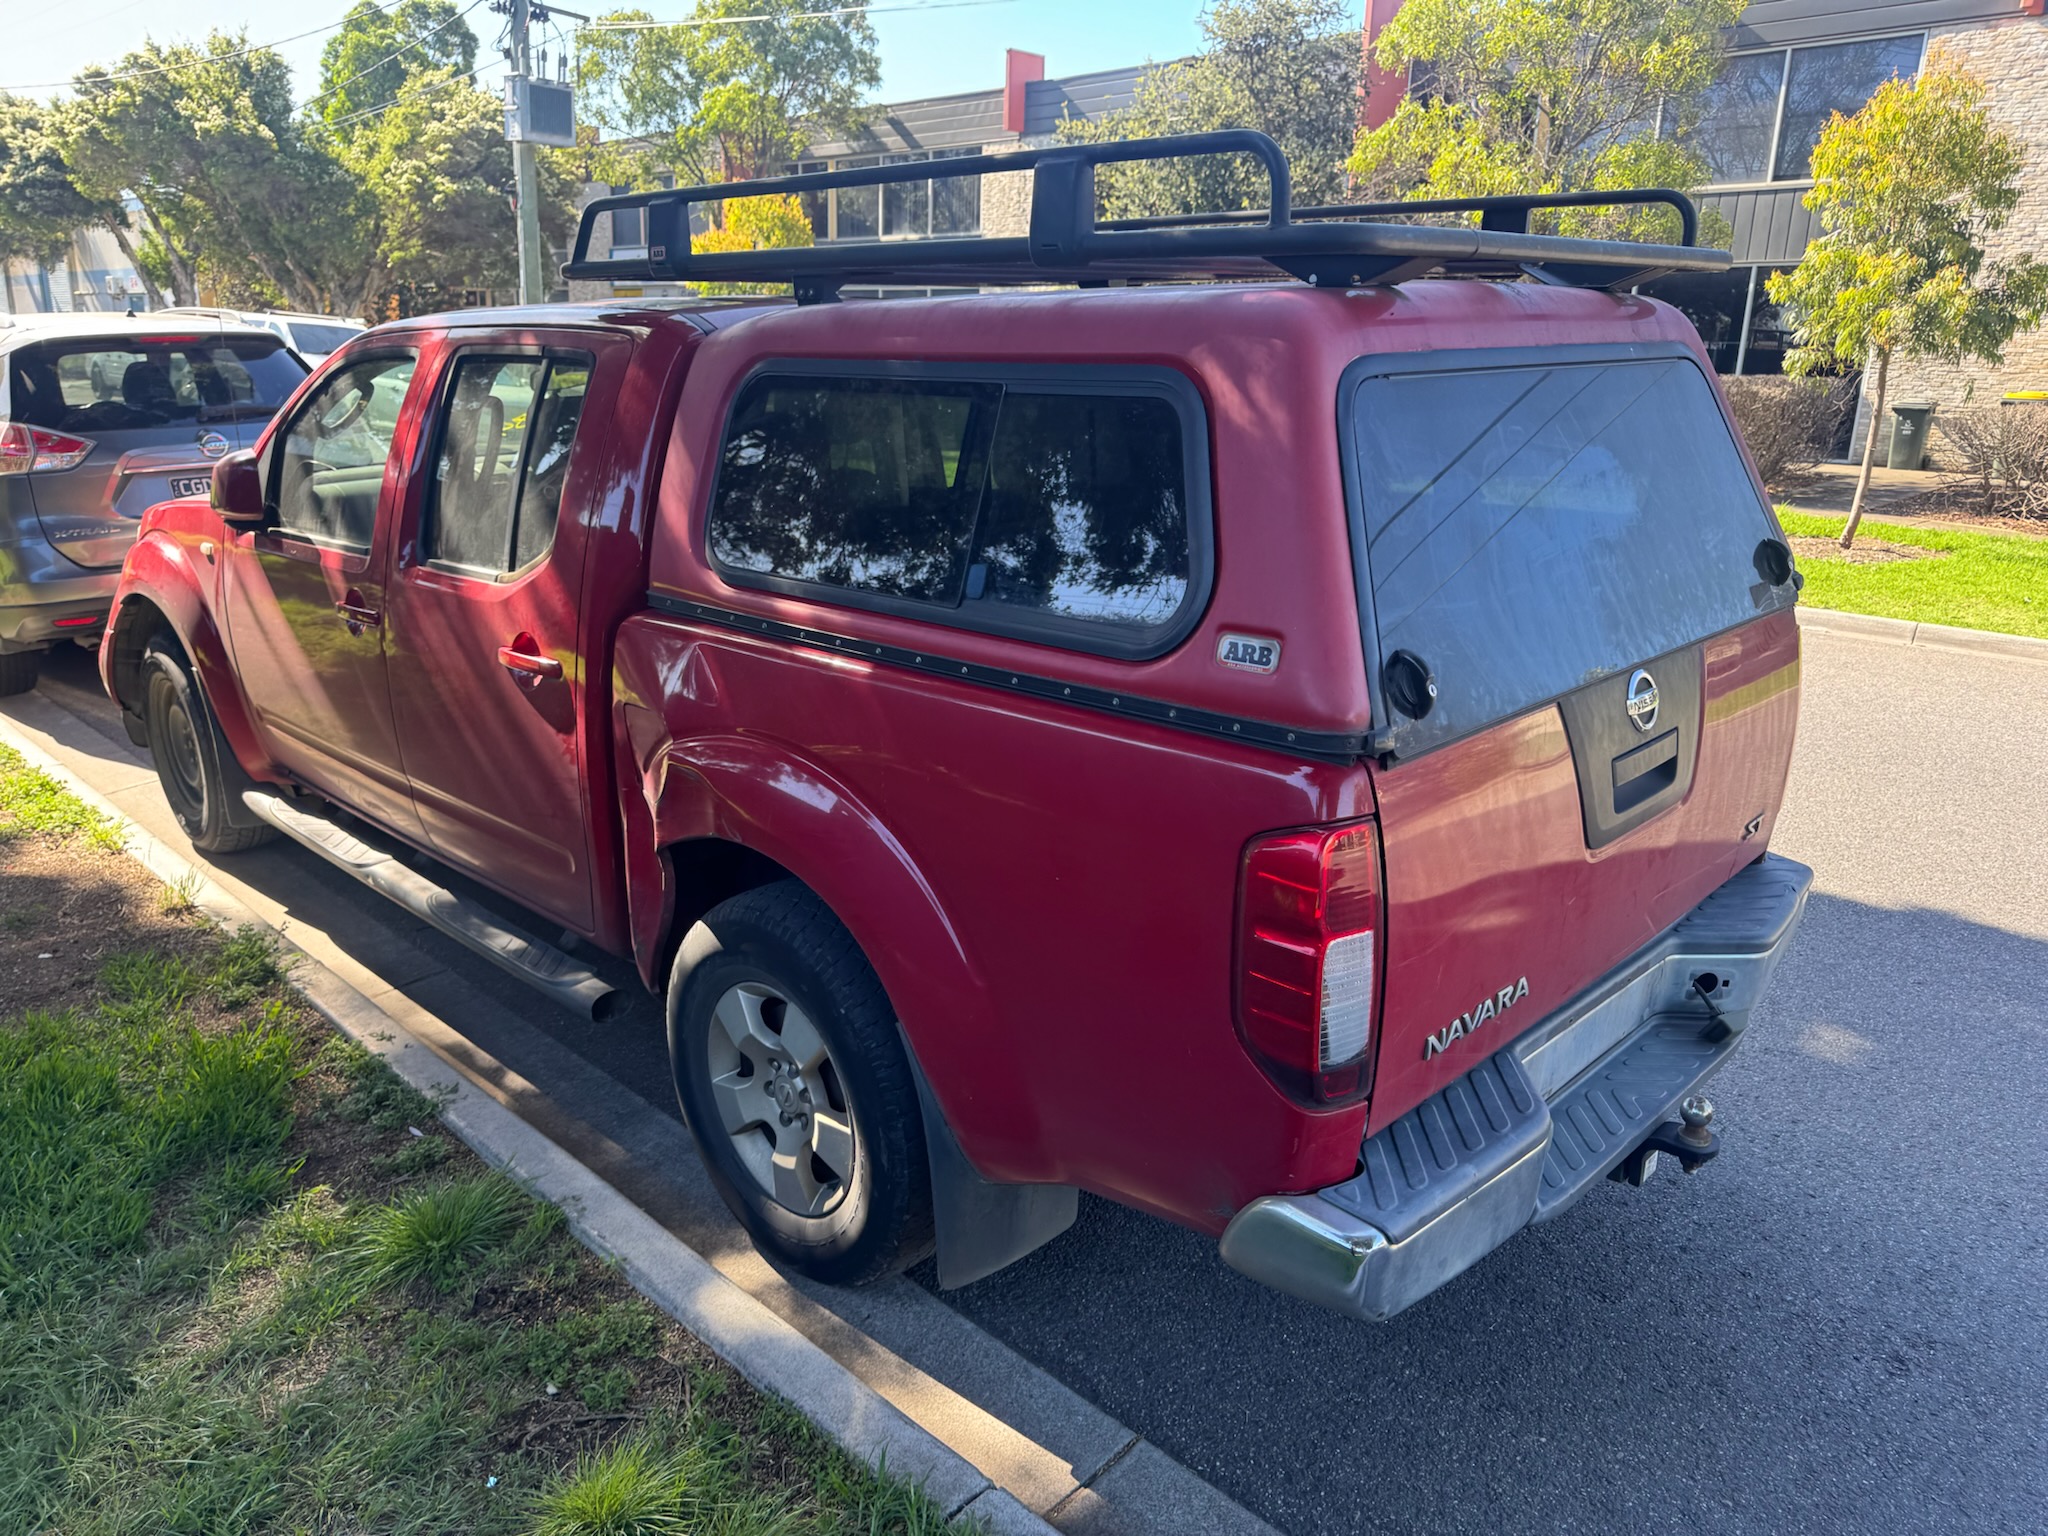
211	58
403	98
734	21
408	48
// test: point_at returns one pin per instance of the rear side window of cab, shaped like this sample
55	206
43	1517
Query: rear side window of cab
1064	505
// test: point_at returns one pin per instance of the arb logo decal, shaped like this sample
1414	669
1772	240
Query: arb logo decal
1248	653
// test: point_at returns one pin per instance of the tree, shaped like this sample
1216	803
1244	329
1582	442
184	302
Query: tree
378	53
754	224
437	173
724	101
203	137
1288	68
1907	191
1546	96
41	205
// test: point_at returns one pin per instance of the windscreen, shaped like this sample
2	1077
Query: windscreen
1531	529
95	384
319	340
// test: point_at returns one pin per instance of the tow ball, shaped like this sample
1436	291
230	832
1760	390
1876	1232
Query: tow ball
1690	1139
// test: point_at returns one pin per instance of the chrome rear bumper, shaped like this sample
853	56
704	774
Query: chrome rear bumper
1525	1133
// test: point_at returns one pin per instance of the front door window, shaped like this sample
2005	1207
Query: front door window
330	469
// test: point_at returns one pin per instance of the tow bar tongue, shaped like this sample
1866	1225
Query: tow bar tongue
539	965
1689	1138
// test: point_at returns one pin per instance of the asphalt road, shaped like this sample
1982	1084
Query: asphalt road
1840	1326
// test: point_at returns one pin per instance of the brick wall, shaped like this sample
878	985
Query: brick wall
2012	61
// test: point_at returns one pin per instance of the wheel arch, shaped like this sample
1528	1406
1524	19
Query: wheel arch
160	591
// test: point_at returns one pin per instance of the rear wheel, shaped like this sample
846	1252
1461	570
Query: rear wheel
18	671
797	1088
193	762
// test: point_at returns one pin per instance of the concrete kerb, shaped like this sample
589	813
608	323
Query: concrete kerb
763	1348
1866	626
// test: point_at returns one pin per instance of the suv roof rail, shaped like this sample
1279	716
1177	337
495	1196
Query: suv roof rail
1347	245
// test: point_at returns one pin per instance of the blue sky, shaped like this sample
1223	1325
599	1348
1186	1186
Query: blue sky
930	50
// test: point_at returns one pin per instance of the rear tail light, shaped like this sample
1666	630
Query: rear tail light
26	449
1308	921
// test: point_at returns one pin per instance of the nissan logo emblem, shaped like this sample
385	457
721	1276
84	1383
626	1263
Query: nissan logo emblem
1642	700
213	445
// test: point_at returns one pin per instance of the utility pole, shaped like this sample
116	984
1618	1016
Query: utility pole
533	284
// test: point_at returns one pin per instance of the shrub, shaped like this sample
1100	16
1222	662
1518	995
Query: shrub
1789	424
2004	451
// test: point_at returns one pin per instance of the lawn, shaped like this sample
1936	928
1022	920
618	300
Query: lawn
1977	580
248	1284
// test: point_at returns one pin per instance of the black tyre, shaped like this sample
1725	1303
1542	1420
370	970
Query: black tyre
18	671
797	1089
193	763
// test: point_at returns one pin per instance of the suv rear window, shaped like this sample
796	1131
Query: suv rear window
1031	507
1531	528
99	384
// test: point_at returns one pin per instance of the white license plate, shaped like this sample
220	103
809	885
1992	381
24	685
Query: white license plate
191	485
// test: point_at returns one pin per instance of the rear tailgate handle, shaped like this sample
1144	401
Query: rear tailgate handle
523	659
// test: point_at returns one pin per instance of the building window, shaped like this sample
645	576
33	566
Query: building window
1761	119
905	210
1742	330
1824	81
629	226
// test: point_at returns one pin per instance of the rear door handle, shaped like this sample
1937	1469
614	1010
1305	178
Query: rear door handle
523	659
356	614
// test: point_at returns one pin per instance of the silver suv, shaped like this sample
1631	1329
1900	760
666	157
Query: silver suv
101	417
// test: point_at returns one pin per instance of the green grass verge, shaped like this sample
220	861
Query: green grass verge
31	802
248	1285
1979	581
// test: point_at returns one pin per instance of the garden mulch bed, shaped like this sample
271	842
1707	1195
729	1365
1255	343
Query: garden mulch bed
1865	551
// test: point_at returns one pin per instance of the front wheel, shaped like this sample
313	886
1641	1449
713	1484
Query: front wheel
194	764
797	1088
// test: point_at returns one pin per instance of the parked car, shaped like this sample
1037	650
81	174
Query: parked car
313	337
1295	757
102	415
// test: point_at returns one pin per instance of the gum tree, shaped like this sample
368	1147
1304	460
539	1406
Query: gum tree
1546	96
726	94
1289	68
1908	191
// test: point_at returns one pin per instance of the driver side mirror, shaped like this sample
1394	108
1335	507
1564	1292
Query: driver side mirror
237	494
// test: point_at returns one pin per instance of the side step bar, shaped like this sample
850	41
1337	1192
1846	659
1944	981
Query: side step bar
541	966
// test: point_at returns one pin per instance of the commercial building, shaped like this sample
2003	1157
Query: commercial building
1024	112
1791	65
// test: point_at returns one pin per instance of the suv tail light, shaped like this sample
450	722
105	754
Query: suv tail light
24	449
1308	920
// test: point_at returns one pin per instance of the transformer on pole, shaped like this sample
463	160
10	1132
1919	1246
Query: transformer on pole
537	111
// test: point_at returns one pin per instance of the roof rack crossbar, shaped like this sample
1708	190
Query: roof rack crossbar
1346	245
1508	212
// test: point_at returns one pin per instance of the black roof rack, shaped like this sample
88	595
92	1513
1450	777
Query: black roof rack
1349	245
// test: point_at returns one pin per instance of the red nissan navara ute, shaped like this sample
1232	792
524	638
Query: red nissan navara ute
1274	719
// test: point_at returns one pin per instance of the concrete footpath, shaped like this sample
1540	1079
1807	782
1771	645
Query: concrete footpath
853	1362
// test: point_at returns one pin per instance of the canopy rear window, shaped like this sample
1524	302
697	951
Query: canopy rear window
1531	528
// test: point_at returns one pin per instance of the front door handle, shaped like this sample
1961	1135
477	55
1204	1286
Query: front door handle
357	615
523	659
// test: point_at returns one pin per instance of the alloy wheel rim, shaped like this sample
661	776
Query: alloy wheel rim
780	1099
